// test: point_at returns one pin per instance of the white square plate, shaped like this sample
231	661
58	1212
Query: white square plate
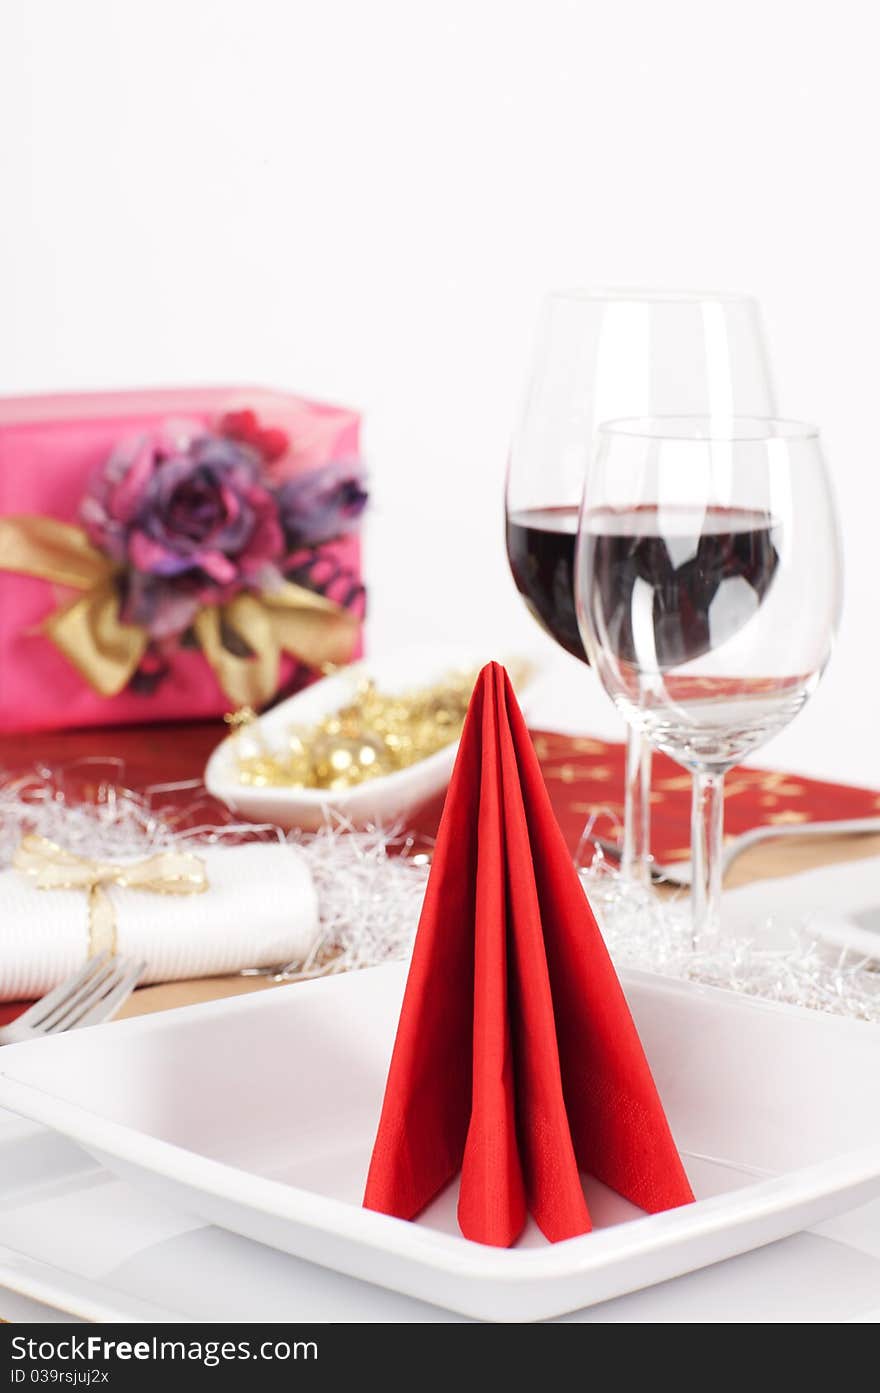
258	1114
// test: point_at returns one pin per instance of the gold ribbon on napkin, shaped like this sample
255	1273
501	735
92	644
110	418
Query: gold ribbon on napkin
88	631
52	867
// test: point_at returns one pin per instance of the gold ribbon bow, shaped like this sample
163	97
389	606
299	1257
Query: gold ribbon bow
88	631
51	867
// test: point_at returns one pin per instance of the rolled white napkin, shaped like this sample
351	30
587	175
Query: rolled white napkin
260	908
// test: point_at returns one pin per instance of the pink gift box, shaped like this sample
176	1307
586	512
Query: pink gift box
49	449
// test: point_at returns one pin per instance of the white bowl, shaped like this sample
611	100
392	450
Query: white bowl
382	800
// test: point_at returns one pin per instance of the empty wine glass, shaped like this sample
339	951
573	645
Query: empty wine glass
602	354
708	585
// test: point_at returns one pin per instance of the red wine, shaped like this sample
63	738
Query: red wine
688	579
540	548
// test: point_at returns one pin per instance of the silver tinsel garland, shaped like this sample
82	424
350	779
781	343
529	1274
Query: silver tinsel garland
371	885
653	934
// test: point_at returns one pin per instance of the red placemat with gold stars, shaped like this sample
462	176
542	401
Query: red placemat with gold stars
585	778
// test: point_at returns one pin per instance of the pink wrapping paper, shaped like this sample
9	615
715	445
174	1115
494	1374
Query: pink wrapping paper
49	448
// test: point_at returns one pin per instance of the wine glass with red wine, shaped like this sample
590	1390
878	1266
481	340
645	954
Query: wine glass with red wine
603	354
708	585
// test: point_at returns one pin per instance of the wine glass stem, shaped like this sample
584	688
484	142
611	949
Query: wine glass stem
635	860
707	826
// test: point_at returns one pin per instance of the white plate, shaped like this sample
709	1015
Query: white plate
777	1112
382	800
77	1239
837	903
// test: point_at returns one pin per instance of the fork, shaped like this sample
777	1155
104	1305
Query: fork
679	874
89	996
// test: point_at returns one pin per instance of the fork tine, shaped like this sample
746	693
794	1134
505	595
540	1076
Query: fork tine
613	851
110	1004
660	874
85	1000
91	989
37	1013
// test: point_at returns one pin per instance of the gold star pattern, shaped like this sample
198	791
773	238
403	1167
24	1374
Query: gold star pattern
581	746
675	785
585	779
598	809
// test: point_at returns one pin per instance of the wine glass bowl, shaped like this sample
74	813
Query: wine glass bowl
603	354
710	578
708	585
541	549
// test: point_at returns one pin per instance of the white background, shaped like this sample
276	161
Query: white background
365	200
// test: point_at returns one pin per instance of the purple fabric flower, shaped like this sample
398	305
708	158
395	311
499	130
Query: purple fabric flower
323	504
189	519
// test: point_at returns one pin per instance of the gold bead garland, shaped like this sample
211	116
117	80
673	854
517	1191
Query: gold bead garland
375	734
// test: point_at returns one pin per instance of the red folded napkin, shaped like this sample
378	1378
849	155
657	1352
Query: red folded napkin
516	1060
